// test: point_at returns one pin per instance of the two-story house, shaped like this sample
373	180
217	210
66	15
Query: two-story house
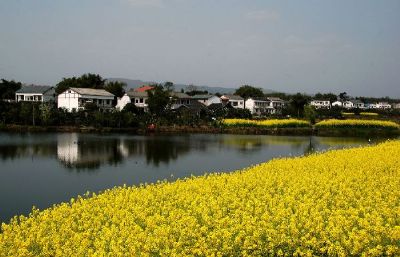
74	99
33	93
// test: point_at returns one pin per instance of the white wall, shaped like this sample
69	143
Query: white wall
68	101
122	102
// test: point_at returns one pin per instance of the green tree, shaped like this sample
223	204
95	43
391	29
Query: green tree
88	80
116	88
298	102
8	89
158	101
310	114
247	91
328	97
47	113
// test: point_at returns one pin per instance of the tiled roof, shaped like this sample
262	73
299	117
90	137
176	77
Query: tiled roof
133	93
144	88
91	91
33	89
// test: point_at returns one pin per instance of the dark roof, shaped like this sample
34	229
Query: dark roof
91	91
232	97
33	89
180	95
202	96
134	93
217	106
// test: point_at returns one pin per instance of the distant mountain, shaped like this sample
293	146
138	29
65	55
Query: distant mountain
135	83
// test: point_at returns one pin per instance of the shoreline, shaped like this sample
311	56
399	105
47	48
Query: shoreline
310	131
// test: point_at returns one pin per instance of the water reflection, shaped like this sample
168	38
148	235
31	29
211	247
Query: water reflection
89	152
81	152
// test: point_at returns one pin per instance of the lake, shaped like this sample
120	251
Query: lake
42	169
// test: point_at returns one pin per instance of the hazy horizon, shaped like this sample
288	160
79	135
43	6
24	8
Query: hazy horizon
292	46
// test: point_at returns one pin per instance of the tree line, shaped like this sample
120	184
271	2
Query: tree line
159	103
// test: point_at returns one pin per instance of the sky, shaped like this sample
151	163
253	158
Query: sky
289	46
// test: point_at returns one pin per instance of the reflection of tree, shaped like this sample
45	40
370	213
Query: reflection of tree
247	143
14	151
159	149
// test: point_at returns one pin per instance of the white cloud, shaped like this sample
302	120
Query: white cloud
263	15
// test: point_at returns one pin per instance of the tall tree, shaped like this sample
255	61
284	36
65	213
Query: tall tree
159	98
298	102
116	88
8	89
247	91
88	80
329	96
343	96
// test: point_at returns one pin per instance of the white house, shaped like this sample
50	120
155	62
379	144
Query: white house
33	93
318	104
259	106
76	98
383	105
207	99
138	98
276	103
235	100
396	106
179	99
348	104
337	103
358	104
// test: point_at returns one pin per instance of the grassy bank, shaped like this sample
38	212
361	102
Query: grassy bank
338	203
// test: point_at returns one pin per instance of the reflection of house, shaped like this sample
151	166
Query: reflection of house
34	93
67	147
83	151
321	104
76	98
259	106
207	99
235	100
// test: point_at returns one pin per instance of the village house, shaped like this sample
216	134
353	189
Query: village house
337	103
33	93
383	105
321	104
207	99
178	99
358	104
74	99
235	100
396	106
259	106
276	103
138	98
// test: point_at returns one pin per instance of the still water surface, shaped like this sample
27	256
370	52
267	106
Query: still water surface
42	169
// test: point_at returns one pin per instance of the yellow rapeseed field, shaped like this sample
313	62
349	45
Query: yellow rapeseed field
353	123
339	203
273	123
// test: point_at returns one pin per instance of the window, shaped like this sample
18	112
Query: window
141	100
234	103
